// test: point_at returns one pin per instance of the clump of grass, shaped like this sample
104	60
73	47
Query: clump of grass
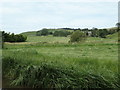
50	74
61	65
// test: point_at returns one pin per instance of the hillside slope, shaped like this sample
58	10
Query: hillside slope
29	33
33	33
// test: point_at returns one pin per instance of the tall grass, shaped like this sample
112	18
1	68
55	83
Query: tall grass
31	68
92	64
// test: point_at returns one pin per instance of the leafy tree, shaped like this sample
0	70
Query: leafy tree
43	32
61	33
95	32
50	33
1	41
85	29
38	33
78	36
100	33
7	37
118	25
111	31
103	33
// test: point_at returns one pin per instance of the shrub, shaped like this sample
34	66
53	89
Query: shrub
42	32
95	33
112	31
78	36
103	33
7	37
61	33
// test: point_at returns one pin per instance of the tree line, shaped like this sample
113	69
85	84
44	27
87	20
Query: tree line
102	33
54	32
94	32
7	37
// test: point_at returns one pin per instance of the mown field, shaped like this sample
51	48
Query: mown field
52	62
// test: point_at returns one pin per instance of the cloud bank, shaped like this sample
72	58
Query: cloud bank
24	16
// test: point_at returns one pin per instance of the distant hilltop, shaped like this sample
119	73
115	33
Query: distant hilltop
33	33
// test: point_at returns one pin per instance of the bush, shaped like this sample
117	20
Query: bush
7	37
78	36
112	31
61	33
42	32
95	32
103	33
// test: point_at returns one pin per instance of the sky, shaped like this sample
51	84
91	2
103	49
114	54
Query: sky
28	15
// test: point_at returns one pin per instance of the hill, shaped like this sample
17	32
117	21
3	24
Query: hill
33	33
29	33
113	28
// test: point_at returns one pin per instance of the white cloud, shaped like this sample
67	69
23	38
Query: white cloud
9	10
89	23
18	17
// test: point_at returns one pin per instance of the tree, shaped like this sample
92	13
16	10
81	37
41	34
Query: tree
118	25
1	41
100	32
38	33
103	33
61	33
7	37
78	36
95	32
43	32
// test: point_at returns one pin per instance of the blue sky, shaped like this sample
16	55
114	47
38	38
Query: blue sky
23	16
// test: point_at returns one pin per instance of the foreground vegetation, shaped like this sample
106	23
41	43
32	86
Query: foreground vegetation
91	64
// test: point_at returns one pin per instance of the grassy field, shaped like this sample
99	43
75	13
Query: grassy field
52	62
49	38
30	33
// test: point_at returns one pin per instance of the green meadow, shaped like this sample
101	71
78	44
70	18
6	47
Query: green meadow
53	62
